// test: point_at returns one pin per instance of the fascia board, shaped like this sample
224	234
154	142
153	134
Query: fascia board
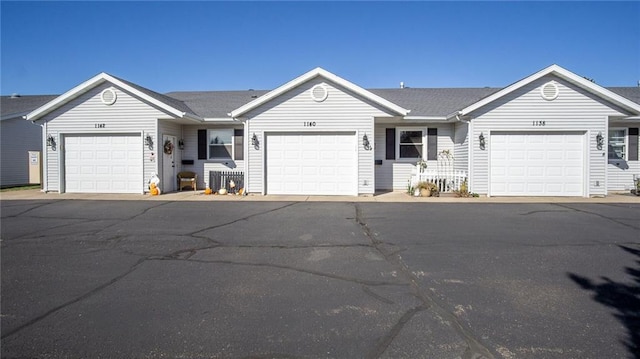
308	76
149	99
65	97
93	82
13	115
426	118
562	73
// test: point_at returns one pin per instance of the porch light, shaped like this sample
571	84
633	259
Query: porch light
51	142
149	142
599	141
481	139
365	142
181	144
254	141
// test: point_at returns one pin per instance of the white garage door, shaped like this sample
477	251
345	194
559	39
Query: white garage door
537	164
311	164
103	163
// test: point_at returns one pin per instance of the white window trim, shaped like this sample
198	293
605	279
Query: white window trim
625	138
424	143
233	149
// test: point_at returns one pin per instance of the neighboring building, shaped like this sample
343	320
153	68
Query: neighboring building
552	133
18	137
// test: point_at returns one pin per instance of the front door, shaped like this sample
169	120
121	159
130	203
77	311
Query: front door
168	183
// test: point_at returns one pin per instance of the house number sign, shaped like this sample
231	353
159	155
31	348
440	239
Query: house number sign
309	123
539	123
99	125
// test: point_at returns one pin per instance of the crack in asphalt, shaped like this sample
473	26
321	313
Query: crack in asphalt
386	341
31	209
291	268
193	234
614	220
72	301
474	348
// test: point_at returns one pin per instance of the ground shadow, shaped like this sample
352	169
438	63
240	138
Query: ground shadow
624	298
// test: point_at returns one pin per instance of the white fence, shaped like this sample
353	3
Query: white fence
447	181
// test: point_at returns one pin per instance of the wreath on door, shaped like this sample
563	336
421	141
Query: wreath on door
168	147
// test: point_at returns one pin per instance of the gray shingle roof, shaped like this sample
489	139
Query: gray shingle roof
21	105
173	102
434	101
631	93
216	104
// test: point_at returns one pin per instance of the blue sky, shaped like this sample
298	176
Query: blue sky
50	47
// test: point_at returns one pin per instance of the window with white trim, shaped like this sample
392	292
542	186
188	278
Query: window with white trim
410	143
220	144
617	144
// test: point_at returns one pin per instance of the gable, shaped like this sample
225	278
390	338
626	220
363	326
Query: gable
571	100
314	74
89	108
613	98
300	102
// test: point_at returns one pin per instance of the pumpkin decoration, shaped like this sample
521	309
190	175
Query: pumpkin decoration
207	191
222	191
154	181
240	191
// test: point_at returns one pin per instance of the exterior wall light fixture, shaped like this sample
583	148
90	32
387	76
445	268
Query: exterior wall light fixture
51	142
599	141
255	142
181	144
365	142
149	142
482	141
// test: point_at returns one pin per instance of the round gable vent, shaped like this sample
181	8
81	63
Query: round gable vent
108	96
549	91
319	93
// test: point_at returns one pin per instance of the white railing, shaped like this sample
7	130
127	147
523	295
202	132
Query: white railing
447	181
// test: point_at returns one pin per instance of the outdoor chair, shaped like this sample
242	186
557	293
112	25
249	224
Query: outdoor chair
187	179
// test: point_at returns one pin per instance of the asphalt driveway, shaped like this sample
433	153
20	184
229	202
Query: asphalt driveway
159	279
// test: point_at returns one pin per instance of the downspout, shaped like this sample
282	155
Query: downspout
469	149
45	182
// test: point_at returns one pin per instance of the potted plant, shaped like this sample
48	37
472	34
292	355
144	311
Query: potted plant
427	189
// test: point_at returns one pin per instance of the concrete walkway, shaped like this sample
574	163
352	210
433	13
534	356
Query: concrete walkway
396	196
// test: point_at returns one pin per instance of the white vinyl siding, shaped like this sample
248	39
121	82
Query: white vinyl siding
296	111
573	110
18	136
395	174
461	146
84	115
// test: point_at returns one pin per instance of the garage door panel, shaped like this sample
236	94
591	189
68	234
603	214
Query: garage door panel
311	164
103	163
537	163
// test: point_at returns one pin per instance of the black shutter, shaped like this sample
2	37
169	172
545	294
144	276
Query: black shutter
432	144
391	144
633	144
202	144
238	144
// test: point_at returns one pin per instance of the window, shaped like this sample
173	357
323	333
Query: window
410	143
617	144
220	144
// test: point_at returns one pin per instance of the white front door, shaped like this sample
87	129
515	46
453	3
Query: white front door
537	164
169	147
311	164
109	163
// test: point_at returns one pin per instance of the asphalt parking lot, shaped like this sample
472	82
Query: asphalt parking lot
164	279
